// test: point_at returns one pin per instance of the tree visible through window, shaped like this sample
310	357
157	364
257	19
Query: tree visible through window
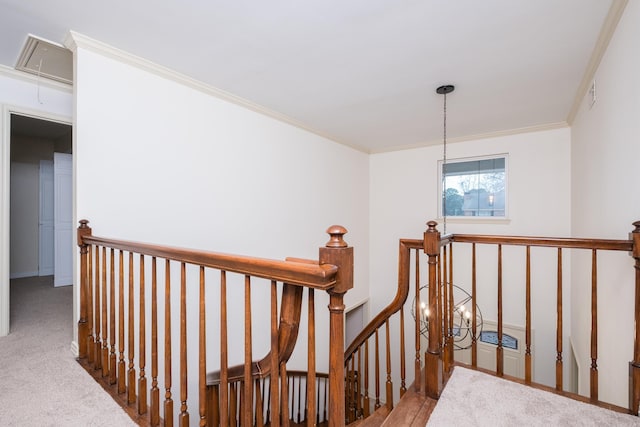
475	187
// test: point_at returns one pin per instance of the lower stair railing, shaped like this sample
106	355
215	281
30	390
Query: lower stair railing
159	327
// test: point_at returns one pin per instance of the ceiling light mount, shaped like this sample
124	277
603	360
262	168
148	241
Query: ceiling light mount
445	89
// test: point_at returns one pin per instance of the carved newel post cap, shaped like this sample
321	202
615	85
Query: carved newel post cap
337	233
431	227
84	223
637	227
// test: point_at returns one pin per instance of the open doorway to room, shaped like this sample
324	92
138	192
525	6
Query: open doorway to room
40	226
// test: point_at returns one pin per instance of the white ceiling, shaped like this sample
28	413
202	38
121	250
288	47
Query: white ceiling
363	72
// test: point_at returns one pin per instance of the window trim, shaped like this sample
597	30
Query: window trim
475	219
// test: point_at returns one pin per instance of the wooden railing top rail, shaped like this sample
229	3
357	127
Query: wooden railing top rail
555	242
388	311
315	276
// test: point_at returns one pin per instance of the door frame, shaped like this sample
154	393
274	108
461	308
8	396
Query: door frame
5	188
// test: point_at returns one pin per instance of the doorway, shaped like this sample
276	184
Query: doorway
40	199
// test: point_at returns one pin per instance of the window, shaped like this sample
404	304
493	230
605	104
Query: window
474	187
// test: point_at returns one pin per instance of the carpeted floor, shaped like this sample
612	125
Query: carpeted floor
41	384
473	398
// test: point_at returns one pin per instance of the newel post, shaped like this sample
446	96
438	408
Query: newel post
432	359
83	332
338	253
634	366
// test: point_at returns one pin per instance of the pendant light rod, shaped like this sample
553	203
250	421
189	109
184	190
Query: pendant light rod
444	90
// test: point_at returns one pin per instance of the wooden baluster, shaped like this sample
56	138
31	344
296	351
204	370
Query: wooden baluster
417	309
311	361
284	398
527	352
213	400
105	318
594	327
202	357
337	252
559	325
122	378
350	390
259	422
155	391
367	403
233	405
433	362
474	314
444	310
91	345
168	400
359	387
389	383
248	357
142	337
403	368
96	323
113	377
131	390
83	327
451	307
499	349
634	365
224	362
274	404
377	371
184	415
299	396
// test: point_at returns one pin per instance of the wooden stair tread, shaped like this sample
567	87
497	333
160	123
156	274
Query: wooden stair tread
413	410
374	420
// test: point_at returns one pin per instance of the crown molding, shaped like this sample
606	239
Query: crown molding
75	40
606	33
30	78
495	134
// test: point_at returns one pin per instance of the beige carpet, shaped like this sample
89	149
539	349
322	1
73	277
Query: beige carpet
41	384
475	399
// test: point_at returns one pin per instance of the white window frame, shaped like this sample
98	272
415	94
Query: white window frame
475	218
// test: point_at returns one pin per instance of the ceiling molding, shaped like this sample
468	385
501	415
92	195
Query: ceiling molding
30	78
496	134
606	33
75	40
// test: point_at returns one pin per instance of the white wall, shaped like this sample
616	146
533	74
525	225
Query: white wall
605	152
161	162
20	93
404	197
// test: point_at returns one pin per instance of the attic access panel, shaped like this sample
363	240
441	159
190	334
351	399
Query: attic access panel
46	59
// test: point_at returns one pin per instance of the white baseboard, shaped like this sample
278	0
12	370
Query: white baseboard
74	348
24	274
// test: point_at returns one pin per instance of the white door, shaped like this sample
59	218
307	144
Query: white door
63	221
45	229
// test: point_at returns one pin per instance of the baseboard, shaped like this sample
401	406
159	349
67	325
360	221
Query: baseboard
74	349
25	274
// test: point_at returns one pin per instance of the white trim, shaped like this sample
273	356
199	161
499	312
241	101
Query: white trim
5	189
24	274
74	349
21	75
495	134
606	33
75	40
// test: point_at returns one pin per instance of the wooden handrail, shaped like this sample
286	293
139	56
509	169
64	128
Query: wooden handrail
552	242
322	277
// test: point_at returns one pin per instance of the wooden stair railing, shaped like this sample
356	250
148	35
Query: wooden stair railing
135	313
441	271
363	357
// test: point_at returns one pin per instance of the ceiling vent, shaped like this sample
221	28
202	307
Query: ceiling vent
46	59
